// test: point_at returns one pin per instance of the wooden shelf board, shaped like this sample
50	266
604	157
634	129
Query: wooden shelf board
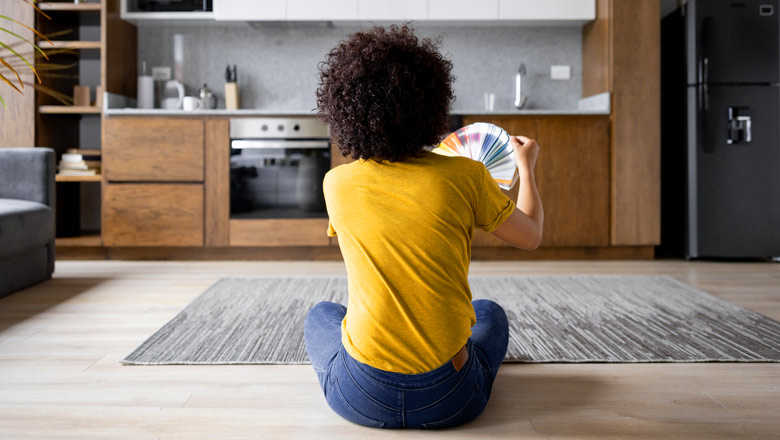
87	240
67	6
96	178
70	45
68	109
84	151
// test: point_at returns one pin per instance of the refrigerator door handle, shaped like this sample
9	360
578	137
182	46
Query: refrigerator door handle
705	97
705	67
748	127
701	119
740	127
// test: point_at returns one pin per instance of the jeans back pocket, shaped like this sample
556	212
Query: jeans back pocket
338	403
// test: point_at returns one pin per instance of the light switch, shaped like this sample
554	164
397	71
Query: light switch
560	72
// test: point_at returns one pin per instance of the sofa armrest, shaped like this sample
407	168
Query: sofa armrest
28	174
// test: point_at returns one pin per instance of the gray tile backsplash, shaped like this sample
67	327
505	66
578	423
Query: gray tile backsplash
277	63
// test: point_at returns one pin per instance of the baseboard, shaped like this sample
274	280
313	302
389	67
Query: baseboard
565	253
332	253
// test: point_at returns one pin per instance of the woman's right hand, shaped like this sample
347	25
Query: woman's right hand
526	150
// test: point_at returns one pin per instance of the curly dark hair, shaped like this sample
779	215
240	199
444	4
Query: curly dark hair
385	94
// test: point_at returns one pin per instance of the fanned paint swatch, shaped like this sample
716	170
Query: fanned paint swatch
486	143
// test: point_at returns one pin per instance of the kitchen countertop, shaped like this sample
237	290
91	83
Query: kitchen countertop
270	112
118	105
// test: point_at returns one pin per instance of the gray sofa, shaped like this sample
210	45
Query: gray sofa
26	217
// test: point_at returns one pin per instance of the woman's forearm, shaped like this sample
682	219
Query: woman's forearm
528	199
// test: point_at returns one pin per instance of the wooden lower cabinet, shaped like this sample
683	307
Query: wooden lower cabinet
279	232
153	149
151	214
572	174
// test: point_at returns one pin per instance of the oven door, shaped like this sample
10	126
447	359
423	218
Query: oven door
278	178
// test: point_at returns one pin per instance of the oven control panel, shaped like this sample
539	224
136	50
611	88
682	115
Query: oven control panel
277	128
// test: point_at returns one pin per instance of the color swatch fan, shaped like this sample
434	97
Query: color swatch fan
486	143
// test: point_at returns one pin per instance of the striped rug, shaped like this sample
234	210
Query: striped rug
551	319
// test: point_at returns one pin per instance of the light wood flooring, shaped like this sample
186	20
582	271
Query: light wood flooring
60	343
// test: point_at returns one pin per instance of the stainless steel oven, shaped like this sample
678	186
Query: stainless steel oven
277	166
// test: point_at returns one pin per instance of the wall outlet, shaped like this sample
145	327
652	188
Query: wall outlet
161	73
560	72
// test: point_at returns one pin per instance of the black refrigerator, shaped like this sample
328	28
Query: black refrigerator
721	127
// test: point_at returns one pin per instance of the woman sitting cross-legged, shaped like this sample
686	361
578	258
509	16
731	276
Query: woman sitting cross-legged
411	349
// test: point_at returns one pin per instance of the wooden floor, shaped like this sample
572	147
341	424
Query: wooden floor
60	343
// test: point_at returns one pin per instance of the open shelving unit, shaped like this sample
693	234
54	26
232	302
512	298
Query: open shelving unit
81	33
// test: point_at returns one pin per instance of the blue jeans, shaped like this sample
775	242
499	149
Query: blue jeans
440	398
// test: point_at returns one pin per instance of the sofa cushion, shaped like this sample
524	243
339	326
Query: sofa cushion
24	225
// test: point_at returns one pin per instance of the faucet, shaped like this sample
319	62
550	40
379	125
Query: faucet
519	98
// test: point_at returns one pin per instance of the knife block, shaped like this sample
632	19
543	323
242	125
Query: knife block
231	96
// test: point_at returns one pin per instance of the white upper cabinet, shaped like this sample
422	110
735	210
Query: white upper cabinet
463	9
568	12
396	10
547	10
322	10
242	10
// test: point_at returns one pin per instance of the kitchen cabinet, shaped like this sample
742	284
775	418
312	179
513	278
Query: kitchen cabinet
279	232
153	184
621	54
153	149
144	208
572	174
547	10
240	10
392	10
216	197
336	158
320	10
462	10
511	11
153	214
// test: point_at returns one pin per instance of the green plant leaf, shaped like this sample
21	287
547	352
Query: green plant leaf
35	31
25	40
33	4
23	59
7	81
3	102
3	62
18	65
59	96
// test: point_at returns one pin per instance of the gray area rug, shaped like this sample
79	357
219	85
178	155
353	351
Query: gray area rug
551	319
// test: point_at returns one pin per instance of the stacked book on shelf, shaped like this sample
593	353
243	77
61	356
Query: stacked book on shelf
79	162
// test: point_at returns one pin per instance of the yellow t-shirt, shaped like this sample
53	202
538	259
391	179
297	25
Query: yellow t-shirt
405	231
